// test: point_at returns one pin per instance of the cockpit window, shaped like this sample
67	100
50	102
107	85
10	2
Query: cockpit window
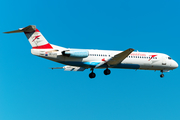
169	58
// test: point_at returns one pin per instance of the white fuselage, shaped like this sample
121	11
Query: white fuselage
136	60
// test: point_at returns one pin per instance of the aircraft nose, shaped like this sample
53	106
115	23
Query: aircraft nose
174	64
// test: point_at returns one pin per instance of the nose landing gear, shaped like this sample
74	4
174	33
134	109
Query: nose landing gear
162	75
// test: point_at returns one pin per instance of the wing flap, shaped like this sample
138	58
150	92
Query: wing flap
70	68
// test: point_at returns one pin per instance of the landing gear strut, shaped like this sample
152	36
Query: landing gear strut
92	74
107	71
162	75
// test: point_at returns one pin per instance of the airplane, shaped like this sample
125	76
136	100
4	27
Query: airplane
81	59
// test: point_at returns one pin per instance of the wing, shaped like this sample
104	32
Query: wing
118	58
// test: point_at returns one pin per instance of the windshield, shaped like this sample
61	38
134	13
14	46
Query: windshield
169	58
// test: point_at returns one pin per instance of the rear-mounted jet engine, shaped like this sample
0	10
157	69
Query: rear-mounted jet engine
76	53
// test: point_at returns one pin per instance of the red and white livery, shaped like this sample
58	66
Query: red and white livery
81	59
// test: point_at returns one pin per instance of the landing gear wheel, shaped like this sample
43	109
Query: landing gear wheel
162	75
107	72
92	75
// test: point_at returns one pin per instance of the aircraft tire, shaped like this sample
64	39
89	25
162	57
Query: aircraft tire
107	72
162	75
92	75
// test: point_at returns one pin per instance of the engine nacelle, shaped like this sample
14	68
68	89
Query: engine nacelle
76	53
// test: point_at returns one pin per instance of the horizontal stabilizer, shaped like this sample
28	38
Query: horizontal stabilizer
30	28
15	31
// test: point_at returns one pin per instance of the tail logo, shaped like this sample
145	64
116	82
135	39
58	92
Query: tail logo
36	37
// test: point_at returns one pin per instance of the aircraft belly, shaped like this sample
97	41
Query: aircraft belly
127	66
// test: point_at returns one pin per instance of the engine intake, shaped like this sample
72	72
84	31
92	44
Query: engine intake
76	53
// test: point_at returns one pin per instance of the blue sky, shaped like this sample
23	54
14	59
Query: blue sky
30	90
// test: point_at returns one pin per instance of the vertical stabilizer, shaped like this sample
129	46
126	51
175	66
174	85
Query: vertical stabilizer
36	39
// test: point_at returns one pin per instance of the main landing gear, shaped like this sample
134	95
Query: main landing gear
107	71
93	75
162	75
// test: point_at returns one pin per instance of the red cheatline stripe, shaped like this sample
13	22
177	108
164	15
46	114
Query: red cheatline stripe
46	46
